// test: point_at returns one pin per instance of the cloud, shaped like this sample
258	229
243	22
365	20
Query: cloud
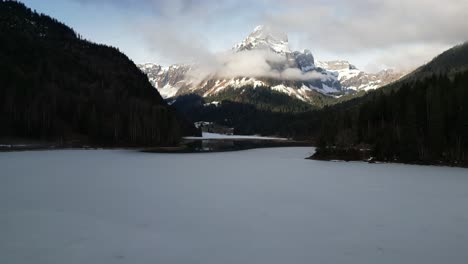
406	57
175	44
412	30
254	63
175	31
373	24
201	9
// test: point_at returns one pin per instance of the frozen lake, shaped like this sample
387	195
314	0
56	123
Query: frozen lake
262	206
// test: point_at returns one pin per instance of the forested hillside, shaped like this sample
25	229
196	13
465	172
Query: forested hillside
258	111
56	86
248	119
423	118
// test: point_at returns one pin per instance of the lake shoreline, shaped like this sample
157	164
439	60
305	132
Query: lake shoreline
239	145
191	145
364	156
226	145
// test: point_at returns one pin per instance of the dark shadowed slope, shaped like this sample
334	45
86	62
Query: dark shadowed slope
56	86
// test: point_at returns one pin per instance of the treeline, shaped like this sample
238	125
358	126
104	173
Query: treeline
248	119
56	86
263	98
423	121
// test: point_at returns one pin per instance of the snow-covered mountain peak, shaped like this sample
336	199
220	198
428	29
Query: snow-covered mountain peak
267	32
295	73
265	38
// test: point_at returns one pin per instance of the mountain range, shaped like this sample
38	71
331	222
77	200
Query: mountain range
277	67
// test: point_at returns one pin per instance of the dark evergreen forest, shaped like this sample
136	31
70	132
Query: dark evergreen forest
420	119
56	86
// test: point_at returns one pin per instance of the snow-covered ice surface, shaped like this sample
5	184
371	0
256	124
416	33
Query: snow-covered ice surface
207	135
261	206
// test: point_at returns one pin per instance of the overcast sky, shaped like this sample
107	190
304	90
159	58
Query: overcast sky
372	34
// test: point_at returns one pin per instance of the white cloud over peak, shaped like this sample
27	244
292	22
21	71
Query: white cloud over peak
378	33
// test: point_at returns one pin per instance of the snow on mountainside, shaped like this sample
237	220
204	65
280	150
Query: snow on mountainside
168	80
353	79
295	73
293	70
264	37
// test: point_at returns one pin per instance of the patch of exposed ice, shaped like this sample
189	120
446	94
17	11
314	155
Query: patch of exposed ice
207	135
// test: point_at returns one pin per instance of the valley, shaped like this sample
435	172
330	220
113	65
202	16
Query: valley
142	132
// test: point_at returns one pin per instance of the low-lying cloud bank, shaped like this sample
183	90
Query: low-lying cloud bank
254	63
